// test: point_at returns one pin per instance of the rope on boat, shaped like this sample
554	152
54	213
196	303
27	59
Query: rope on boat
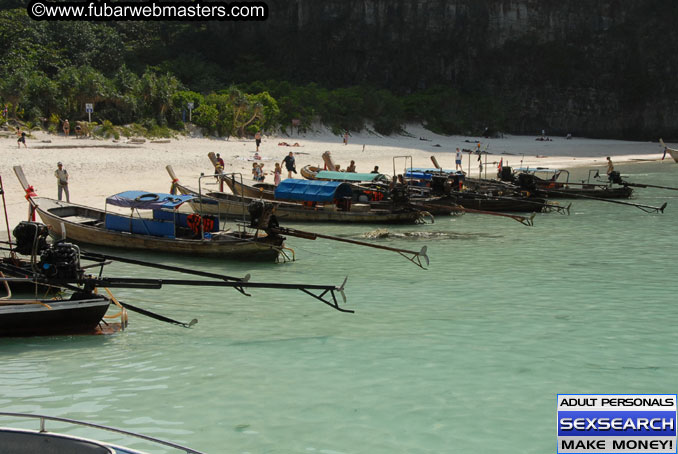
123	312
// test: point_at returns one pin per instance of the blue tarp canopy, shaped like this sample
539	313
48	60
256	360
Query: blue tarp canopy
147	200
350	176
427	174
312	190
433	170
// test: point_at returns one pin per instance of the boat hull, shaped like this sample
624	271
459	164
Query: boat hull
505	204
84	225
254	192
623	192
227	205
73	316
309	172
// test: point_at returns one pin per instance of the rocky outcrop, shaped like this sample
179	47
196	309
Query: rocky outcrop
601	68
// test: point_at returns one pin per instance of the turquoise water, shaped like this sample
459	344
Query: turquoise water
467	356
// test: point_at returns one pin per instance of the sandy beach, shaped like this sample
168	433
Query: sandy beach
99	168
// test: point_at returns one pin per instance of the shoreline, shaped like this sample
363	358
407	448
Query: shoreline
100	168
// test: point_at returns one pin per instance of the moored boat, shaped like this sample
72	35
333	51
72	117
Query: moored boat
167	230
302	201
80	314
309	172
553	186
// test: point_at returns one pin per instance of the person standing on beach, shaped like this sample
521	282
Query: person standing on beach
220	162
276	174
22	138
457	160
346	138
290	165
257	139
67	127
62	181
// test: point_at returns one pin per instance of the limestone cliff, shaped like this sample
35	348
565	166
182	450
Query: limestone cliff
590	67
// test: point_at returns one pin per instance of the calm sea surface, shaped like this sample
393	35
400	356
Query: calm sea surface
467	356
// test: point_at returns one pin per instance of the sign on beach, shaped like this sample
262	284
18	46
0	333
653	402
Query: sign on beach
89	108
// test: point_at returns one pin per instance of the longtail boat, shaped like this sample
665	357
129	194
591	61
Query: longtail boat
80	314
316	201
166	230
557	184
309	171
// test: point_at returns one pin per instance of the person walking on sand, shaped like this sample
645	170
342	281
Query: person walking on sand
276	174
62	181
457	160
257	139
346	138
67	127
290	165
610	166
22	138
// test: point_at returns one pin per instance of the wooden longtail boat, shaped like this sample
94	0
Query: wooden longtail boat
309	172
87	225
31	317
168	231
315	207
259	191
552	188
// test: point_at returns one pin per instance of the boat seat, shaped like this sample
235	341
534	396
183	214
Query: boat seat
82	220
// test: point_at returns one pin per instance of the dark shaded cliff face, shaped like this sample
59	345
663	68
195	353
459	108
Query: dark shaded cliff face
590	67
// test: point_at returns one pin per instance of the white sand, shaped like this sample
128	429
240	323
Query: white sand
96	173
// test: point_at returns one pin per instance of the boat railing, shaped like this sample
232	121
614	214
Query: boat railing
406	158
220	177
43	429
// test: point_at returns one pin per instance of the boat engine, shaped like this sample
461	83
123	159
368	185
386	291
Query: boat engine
506	174
61	261
261	215
615	177
31	237
527	181
440	185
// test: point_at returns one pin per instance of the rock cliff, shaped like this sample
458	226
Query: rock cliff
602	68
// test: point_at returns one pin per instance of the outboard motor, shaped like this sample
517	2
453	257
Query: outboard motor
256	211
399	195
527	181
261	215
439	184
615	177
31	237
61	261
506	174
